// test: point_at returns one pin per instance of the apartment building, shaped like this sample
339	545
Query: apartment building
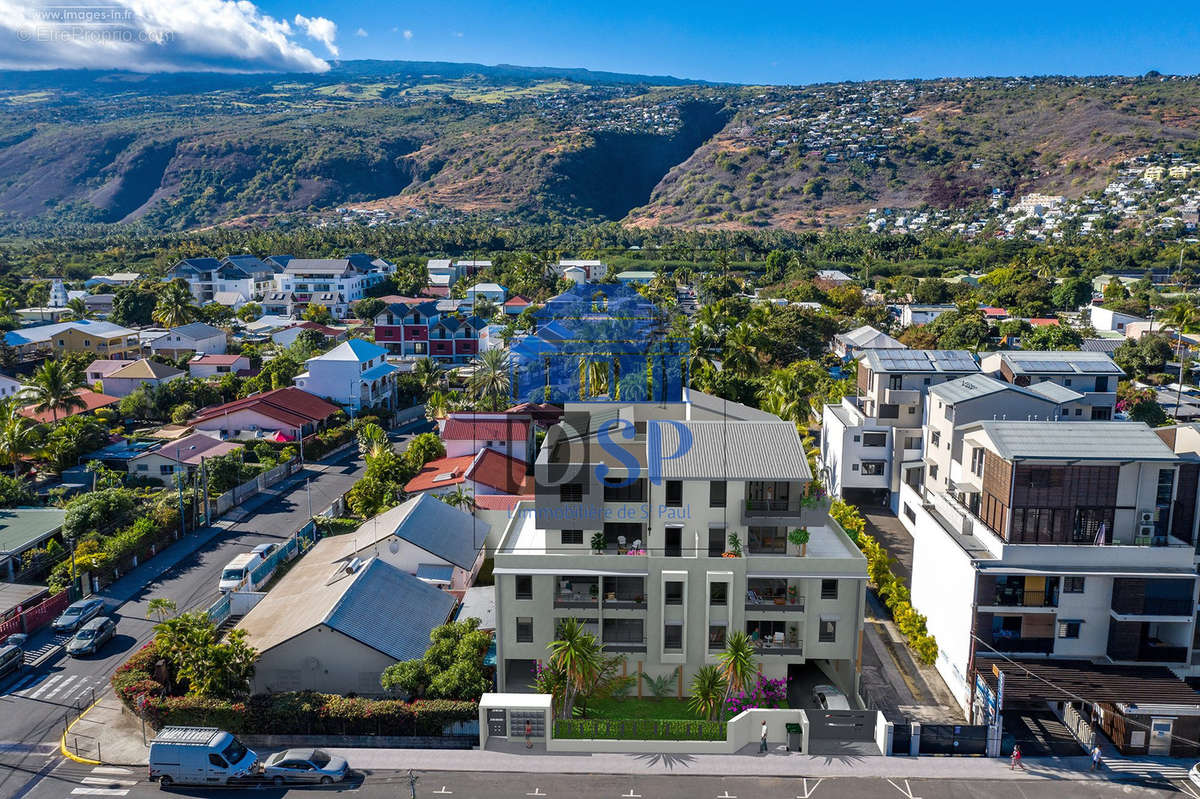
634	534
103	339
872	442
1094	375
228	279
1072	541
334	282
355	374
422	331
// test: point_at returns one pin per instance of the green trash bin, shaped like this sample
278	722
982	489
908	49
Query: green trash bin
795	738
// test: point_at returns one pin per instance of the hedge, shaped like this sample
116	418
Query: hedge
640	729
320	444
299	713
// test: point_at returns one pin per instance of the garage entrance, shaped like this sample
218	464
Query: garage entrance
518	676
842	732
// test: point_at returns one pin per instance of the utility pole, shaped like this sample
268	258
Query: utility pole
204	475
179	484
308	491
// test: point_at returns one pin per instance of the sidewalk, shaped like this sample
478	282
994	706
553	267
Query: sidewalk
105	733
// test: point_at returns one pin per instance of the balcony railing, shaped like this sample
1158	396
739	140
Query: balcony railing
773	507
1020	598
621	643
574	600
620	602
793	648
1155	607
1042	646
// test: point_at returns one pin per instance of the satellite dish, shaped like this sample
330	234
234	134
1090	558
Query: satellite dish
394	546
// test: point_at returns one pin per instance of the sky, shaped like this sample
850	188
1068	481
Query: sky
762	42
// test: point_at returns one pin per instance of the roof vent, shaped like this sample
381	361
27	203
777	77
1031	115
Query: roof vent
354	565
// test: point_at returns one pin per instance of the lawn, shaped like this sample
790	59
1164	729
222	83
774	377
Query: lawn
633	708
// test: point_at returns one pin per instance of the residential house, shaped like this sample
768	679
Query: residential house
333	623
42	315
233	280
1094	374
1103	318
911	314
101	368
592	270
404	328
851	344
287	337
217	365
355	373
135	374
182	456
641	562
635	277
834	277
1071	541
10	387
492	291
466	433
279	303
287	413
102	339
117	279
196	337
515	305
486	472
336	283
92	401
22	530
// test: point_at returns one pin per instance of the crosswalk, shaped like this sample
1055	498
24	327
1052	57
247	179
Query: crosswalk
64	689
1146	769
106	781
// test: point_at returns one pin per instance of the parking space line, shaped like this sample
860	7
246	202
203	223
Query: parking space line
906	790
808	792
443	791
111	770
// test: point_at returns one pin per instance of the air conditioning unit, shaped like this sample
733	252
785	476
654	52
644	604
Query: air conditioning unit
1147	516
1145	530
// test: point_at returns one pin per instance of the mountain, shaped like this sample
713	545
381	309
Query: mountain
529	143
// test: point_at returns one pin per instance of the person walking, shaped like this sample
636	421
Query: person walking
1016	759
1096	765
762	737
528	735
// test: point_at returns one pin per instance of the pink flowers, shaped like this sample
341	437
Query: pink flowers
764	694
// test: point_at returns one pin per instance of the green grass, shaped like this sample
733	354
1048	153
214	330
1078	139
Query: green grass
339	525
634	708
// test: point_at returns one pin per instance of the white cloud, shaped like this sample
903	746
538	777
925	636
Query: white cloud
458	34
408	34
153	36
361	32
395	29
319	29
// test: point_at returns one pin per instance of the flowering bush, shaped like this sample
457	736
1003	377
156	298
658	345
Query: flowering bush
636	552
763	694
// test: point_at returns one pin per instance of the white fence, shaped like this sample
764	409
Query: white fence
239	494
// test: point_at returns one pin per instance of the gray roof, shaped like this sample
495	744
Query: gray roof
736	450
197	330
867	336
707	406
1054	392
1105	345
908	361
453	535
1033	362
1057	441
479	602
390	611
968	388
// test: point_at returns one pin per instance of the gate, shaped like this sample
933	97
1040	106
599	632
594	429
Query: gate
841	725
954	739
901	738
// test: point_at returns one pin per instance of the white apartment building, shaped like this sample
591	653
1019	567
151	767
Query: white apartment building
1094	375
593	270
637	553
335	282
1063	540
355	374
226	280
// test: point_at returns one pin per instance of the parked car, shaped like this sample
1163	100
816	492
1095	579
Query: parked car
304	765
263	551
1194	775
12	659
199	756
76	614
828	697
91	636
237	572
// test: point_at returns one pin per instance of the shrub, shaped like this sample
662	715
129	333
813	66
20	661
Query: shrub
640	729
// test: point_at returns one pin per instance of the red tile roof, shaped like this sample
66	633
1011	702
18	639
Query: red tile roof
396	299
517	300
92	400
496	470
991	311
437	291
1042	321
456	468
468	429
289	405
328	332
501	501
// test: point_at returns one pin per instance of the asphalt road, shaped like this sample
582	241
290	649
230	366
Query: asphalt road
75	780
33	703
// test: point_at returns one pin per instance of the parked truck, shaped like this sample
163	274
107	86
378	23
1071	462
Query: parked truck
200	756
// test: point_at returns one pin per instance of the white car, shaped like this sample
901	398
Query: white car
828	697
1194	775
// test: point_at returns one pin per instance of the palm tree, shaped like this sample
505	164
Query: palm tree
578	656
437	405
707	692
17	435
77	309
429	375
491	380
460	497
593	376
372	441
176	306
741	352
737	662
52	388
161	608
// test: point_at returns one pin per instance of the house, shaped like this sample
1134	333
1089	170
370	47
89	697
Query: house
472	266
657	588
911	314
425	537
404	327
1094	374
1063	541
635	277
184	455
217	365
118	279
1103	318
851	345
575	274
442	272
515	305
42	315
195	337
102	339
287	337
101	368
101	304
592	270
279	303
492	291
834	277
92	401
336	283
467	433
333	624
289	411
355	373
135	374
486	472
22	530
10	387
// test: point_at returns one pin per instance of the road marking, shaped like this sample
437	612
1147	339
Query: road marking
1189	790
444	791
109	781
536	792
906	790
111	770
631	795
100	791
727	795
808	792
39	685
65	682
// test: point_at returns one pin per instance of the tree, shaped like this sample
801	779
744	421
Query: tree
932	291
424	448
316	312
707	692
161	608
249	312
484	307
372	440
460	498
133	306
367	309
961	329
737	662
176	306
381	484
1115	291
740	354
491	379
77	309
1072	293
578	656
18	435
428	375
1145	357
52	388
209	668
1052	337
451	668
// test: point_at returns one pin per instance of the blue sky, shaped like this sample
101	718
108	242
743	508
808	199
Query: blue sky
773	42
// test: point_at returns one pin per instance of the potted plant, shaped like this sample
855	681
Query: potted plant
799	537
735	547
598	543
793	594
594	591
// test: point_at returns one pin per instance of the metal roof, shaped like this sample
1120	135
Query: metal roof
1034	362
920	361
1066	680
21	528
735	450
197	331
1059	441
968	388
425	521
435	572
1054	392
867	336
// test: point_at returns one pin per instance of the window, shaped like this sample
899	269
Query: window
933	471
716	541
977	457
673	636
1073	585
524	586
829	589
718	593
912	409
873	467
674	493
716	636
634	492
217	761
524	630
935	438
889	411
1069	628
895	382
1102	384
166	468
874	439
912	442
673	592
827	632
570	492
572	536
716	494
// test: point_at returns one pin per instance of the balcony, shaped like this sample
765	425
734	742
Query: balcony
624	635
624	593
1159	653
1040	646
768	594
577	593
901	396
1156	607
775	638
625	646
1018	598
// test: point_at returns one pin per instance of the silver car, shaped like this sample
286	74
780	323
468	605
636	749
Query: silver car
91	636
76	614
304	765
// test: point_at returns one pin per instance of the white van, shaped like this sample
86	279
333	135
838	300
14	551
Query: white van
236	573
199	756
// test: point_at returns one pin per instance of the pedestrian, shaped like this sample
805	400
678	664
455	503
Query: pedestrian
762	737
1016	759
1096	757
528	735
